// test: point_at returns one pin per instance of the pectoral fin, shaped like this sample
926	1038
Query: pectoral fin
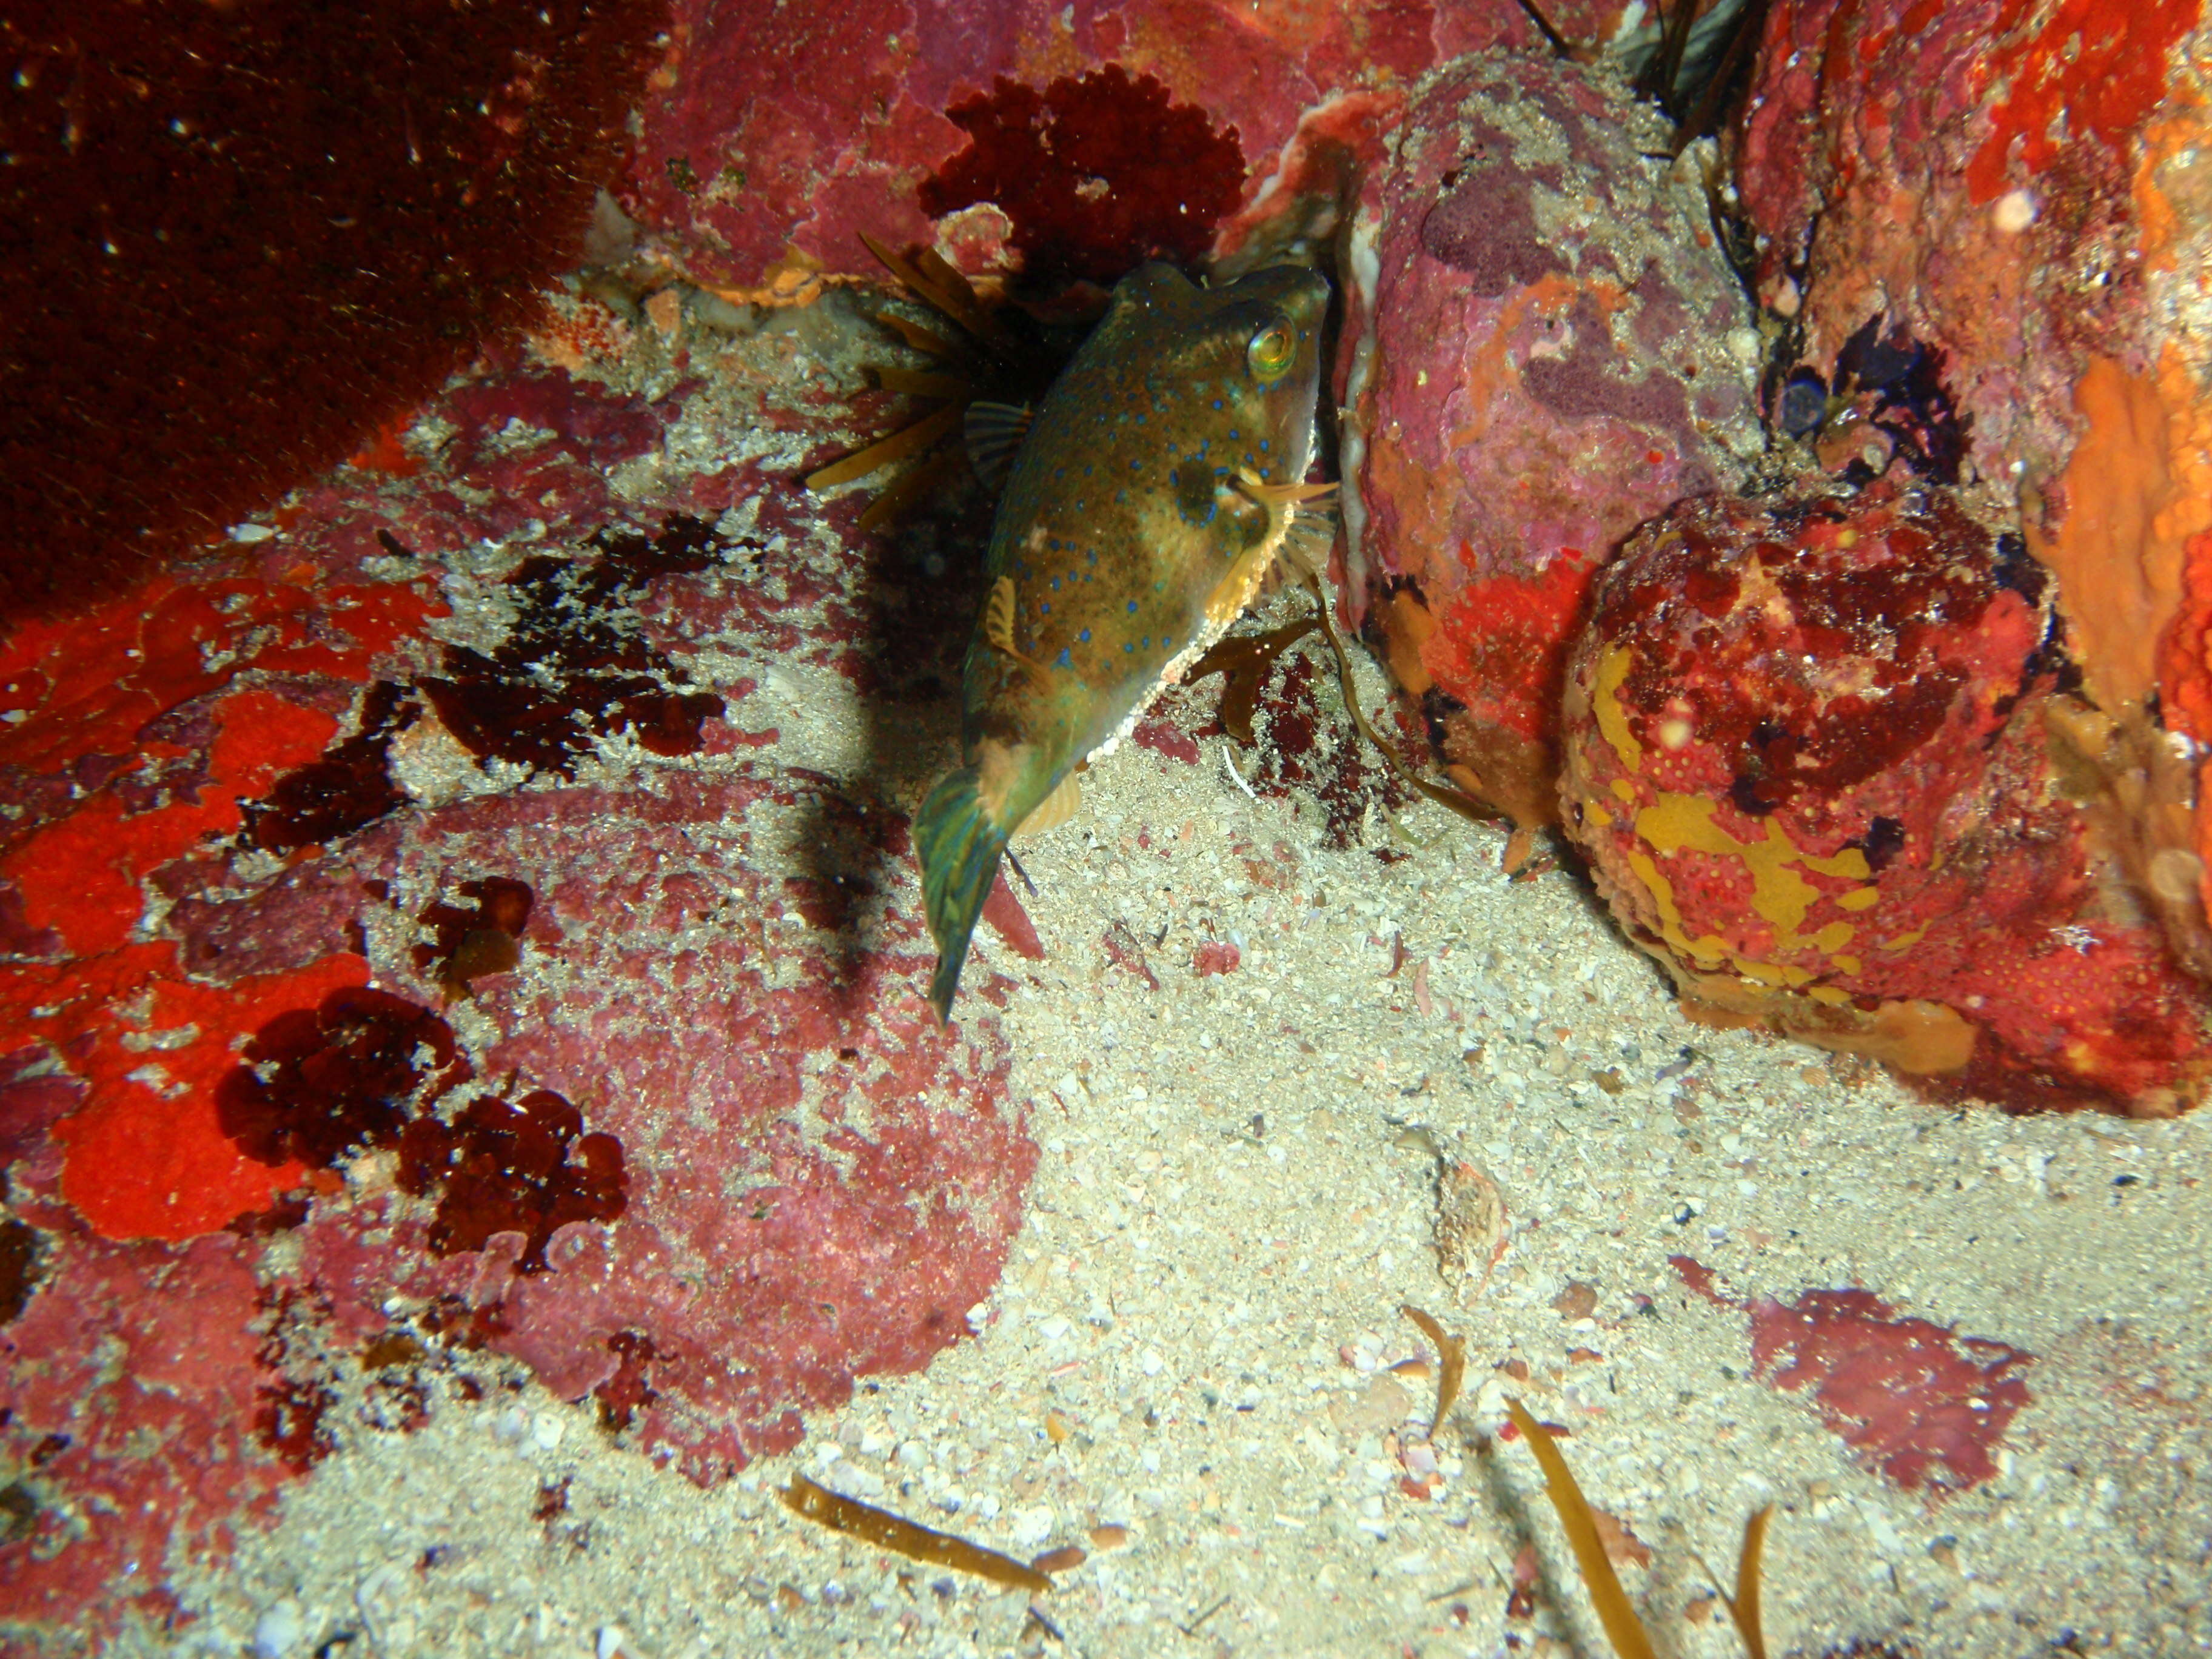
998	628
1293	512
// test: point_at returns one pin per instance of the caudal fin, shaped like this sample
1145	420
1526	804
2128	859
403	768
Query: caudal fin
960	848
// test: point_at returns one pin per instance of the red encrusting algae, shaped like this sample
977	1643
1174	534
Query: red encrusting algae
1919	1404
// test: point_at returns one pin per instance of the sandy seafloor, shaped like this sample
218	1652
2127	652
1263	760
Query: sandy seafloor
1194	1339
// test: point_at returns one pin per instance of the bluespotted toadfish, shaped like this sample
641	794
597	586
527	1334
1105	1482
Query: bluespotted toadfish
1151	493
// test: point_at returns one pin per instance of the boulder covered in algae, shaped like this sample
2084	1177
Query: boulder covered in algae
1980	229
1547	347
1808	761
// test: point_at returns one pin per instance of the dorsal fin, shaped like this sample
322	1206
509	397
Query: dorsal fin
994	432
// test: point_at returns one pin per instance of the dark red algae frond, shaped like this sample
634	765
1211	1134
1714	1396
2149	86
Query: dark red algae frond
1098	173
364	1072
577	663
484	939
235	240
349	787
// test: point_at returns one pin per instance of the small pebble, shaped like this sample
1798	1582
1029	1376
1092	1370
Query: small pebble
278	1631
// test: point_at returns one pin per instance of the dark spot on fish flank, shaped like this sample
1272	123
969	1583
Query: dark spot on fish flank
1263	443
1133	607
1084	638
1217	404
1220	472
1147	641
1175	478
1091	554
1055	584
1063	660
1120	496
1126	646
1044	607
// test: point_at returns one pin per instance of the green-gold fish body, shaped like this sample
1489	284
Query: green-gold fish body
1147	503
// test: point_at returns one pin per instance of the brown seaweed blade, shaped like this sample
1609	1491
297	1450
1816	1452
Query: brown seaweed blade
1451	800
943	287
1244	661
1743	1607
909	487
907	1538
1451	1362
921	339
1622	1627
919	384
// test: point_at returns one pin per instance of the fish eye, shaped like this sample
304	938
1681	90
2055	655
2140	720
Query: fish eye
1272	349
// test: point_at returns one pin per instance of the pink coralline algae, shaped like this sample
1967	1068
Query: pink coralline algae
780	1233
1807	760
1541	364
256	849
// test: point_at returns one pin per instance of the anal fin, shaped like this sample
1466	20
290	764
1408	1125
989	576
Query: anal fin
1055	809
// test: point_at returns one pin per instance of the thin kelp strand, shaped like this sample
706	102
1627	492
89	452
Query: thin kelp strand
896	448
1622	1627
910	1539
920	384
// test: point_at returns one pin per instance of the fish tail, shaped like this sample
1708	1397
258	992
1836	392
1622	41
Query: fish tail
960	847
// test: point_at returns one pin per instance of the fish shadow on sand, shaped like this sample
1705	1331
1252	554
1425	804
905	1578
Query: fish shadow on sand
915	599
